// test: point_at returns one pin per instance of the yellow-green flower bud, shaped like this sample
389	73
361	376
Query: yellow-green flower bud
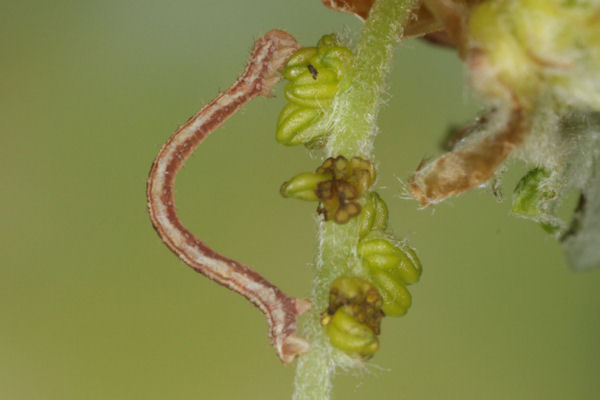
314	95
351	287
307	77
340	197
297	63
349	335
374	215
380	253
303	186
338	184
296	124
391	266
338	58
315	75
396	297
412	273
327	41
353	318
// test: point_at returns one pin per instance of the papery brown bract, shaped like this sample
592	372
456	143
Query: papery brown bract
360	8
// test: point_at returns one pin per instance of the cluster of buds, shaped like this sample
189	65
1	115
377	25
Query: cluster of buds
315	75
353	318
338	184
357	305
390	264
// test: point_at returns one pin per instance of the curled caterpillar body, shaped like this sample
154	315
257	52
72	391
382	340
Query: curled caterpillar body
268	57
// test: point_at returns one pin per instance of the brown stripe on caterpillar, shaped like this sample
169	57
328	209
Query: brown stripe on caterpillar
268	57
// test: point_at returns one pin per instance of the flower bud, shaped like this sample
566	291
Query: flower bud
349	335
315	75
338	184
303	185
374	215
353	289
381	254
296	64
353	318
396	297
339	59
341	196
313	95
296	125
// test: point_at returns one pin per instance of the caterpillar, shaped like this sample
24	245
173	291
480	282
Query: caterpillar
268	57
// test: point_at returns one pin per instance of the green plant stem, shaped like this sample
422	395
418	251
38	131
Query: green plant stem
355	110
354	128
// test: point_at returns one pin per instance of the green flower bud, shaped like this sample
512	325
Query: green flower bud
338	184
298	124
340	197
314	95
316	75
352	289
323	76
353	319
292	72
396	297
349	335
412	273
299	59
339	59
380	254
374	215
391	266
303	185
327	41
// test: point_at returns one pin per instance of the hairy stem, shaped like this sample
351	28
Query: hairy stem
355	110
353	131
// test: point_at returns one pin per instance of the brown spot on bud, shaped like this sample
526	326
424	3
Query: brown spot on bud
340	196
359	297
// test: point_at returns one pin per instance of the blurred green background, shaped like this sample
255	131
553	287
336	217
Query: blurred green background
93	306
